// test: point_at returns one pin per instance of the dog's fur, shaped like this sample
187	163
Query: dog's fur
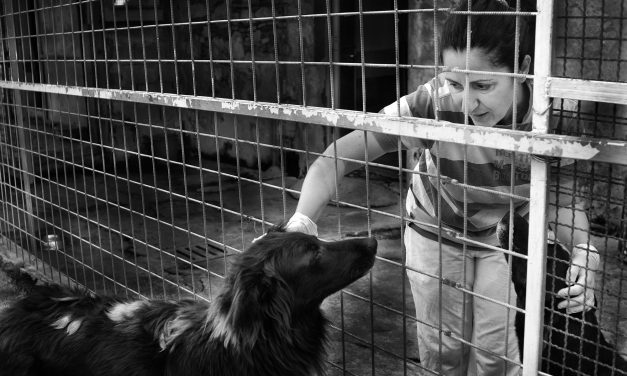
266	320
573	343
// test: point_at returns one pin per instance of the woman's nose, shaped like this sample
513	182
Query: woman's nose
469	102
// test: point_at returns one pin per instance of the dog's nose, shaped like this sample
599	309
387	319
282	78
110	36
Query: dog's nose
363	245
371	245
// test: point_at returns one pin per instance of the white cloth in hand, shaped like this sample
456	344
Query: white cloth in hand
301	223
579	295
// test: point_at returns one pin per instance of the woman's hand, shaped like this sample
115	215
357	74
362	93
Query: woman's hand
580	276
301	223
298	223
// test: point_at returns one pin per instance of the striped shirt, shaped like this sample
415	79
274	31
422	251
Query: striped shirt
432	196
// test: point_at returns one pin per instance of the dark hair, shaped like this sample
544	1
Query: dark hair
495	34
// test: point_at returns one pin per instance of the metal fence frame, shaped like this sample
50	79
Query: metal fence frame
538	142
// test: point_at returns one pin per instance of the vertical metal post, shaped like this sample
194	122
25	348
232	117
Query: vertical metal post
337	53
25	162
538	195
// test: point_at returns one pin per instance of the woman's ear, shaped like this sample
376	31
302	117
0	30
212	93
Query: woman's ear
524	67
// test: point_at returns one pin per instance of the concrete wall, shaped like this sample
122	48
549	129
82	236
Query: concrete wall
60	49
201	78
421	39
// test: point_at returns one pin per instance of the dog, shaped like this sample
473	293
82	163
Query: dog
265	321
573	343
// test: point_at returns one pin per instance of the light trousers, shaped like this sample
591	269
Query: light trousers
486	324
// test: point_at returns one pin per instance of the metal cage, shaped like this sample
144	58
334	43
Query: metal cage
144	142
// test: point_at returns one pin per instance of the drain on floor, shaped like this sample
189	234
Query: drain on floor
197	255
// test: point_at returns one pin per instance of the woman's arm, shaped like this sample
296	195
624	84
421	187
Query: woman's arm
320	182
572	229
322	177
570	224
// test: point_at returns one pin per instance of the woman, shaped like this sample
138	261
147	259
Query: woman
488	100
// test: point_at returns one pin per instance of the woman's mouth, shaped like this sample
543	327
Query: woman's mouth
478	119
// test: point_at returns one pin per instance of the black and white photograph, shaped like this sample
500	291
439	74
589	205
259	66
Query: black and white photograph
313	188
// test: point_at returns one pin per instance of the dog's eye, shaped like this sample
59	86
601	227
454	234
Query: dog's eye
315	256
313	247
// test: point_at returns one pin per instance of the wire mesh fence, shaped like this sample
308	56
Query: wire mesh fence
155	139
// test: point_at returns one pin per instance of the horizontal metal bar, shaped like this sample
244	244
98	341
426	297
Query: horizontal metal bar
269	18
593	149
264	62
586	90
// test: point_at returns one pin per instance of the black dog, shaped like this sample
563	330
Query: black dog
573	343
266	320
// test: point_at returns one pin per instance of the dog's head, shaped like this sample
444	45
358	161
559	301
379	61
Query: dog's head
285	276
557	258
310	268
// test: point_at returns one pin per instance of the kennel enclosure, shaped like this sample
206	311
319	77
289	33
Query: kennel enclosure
154	139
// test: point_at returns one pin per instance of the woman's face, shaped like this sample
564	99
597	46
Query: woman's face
490	97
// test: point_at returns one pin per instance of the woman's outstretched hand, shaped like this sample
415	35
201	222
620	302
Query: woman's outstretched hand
298	223
301	223
579	295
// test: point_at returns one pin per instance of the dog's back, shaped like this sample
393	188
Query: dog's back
30	319
61	331
574	344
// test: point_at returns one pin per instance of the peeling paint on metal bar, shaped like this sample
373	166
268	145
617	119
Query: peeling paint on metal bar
601	150
587	90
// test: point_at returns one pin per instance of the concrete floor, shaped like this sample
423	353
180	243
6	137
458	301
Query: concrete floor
153	251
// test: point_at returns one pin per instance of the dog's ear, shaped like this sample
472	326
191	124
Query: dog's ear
256	303
502	232
520	235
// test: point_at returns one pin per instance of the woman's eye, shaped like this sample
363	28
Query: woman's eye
455	85
483	86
